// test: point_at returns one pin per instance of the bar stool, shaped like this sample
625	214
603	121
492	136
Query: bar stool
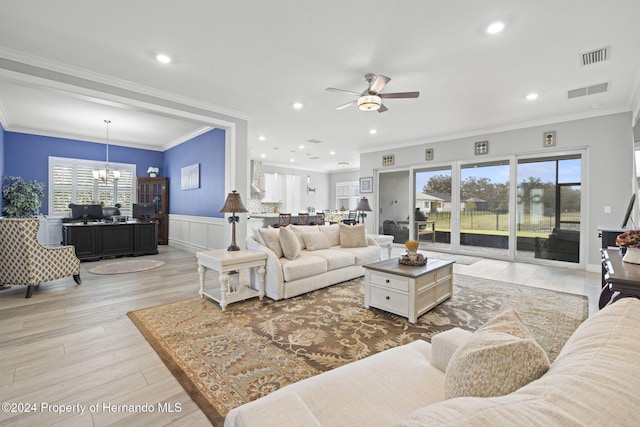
319	219
303	218
284	219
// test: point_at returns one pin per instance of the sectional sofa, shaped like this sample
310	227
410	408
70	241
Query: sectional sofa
497	376
301	258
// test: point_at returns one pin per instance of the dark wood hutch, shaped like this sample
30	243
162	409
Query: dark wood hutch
156	191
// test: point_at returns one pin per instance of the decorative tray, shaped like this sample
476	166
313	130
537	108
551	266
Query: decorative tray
415	260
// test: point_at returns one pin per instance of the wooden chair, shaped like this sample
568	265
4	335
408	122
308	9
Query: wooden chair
425	228
284	219
319	219
26	262
303	218
352	220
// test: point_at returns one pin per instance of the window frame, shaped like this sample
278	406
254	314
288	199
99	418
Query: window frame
75	164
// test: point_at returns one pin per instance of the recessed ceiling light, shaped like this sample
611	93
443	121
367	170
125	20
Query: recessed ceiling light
332	152
263	155
343	165
532	96
163	58
495	28
297	105
301	146
292	160
373	131
262	138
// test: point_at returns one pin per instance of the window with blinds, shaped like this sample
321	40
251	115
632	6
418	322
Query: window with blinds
347	195
71	181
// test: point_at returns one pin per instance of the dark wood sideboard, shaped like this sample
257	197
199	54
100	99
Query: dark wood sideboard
97	240
621	279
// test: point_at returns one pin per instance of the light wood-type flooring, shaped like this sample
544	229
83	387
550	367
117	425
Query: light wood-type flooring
74	344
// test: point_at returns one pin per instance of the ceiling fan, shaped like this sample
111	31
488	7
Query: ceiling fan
371	98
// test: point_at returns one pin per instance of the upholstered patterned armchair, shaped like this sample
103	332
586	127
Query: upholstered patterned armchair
26	262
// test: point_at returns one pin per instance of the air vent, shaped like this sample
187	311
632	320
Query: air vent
577	92
595	56
314	158
314	141
588	90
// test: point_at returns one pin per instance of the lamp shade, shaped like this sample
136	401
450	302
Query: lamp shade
233	203
363	205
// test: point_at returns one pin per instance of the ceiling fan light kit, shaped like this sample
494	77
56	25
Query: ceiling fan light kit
371	98
369	102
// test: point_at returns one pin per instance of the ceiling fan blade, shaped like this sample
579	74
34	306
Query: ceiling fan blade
382	108
350	92
348	104
379	83
399	95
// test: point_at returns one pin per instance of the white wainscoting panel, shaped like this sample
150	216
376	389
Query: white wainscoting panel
197	233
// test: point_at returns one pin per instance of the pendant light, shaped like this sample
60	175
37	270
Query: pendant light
103	174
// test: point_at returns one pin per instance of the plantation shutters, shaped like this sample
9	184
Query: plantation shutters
71	181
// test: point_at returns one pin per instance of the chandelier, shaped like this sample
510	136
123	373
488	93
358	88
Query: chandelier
103	174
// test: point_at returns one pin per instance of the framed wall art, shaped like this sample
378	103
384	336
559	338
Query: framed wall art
366	185
549	138
311	189
387	160
482	147
190	177
428	154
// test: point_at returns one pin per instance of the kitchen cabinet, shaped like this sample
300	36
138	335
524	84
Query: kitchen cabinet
284	190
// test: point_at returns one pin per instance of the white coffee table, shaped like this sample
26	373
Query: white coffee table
225	262
405	290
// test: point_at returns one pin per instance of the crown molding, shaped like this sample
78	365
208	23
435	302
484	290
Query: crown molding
481	132
48	70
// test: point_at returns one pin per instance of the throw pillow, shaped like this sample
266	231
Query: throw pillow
353	236
271	237
500	357
300	230
333	233
316	241
289	243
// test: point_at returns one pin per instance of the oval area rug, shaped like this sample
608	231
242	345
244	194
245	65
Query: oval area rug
132	266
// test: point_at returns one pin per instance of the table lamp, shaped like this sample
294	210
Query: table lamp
363	206
232	205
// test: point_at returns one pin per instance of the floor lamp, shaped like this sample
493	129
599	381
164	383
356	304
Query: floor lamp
232	205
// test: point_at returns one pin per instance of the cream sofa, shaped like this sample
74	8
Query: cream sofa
595	380
301	259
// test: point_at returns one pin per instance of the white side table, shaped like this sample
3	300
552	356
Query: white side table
384	241
224	262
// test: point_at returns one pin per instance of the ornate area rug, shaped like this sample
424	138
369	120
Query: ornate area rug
224	359
121	267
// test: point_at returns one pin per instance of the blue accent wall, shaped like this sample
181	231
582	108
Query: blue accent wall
27	155
208	150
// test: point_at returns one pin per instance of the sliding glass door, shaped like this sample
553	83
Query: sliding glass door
549	208
433	208
484	208
526	208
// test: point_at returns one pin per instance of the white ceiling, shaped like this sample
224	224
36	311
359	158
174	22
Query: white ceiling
253	59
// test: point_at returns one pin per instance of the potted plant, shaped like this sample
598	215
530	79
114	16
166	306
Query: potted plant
153	171
20	198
